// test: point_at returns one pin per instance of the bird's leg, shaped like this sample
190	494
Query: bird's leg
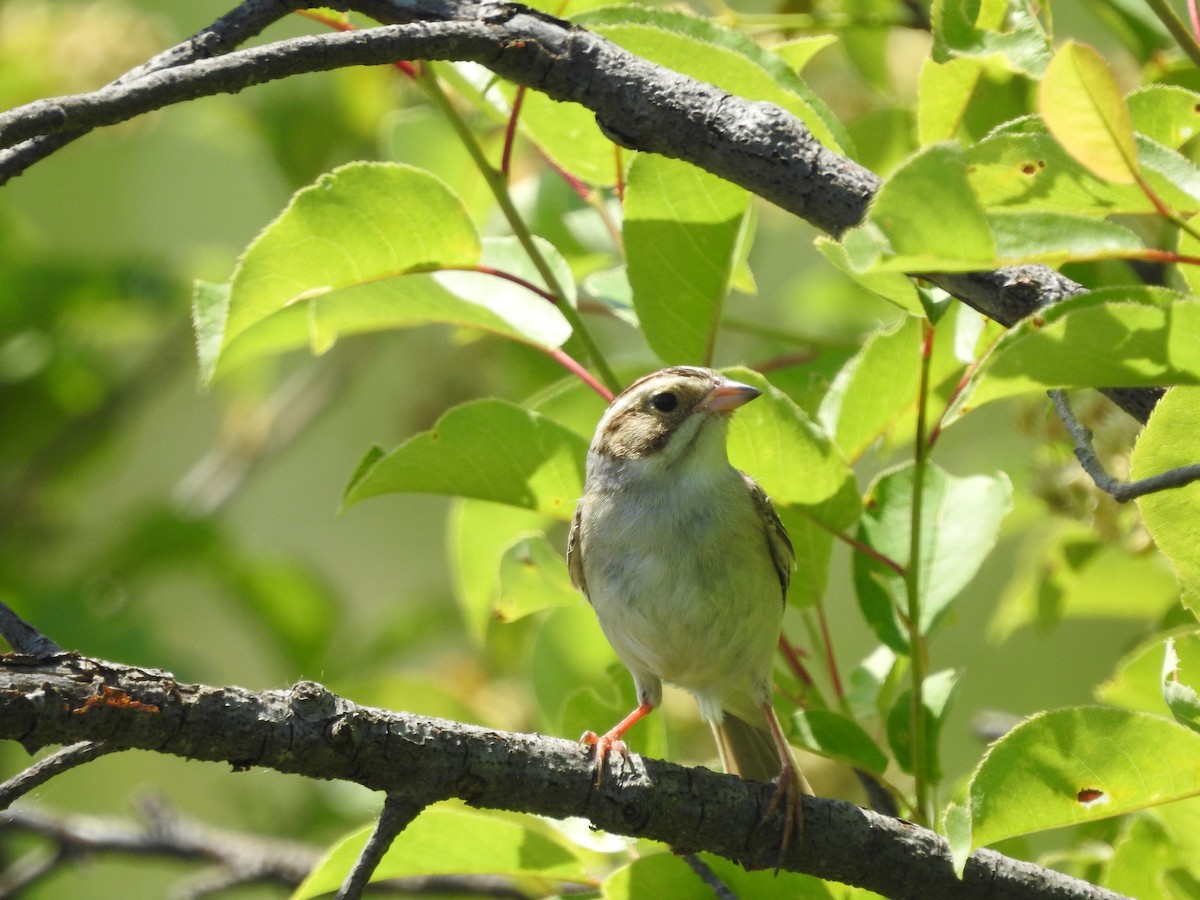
612	740
791	783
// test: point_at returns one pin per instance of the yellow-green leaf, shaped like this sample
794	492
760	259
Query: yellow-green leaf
1083	107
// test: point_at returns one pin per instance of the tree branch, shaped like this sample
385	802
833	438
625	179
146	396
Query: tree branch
45	769
398	811
243	22
65	698
1121	491
234	858
638	104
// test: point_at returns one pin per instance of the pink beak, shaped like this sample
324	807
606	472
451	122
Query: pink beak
726	396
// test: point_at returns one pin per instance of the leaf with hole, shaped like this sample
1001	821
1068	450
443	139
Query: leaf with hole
1112	337
1079	765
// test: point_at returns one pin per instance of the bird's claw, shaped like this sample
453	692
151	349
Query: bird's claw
788	792
602	744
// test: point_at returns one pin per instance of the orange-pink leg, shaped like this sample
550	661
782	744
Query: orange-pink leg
791	784
612	740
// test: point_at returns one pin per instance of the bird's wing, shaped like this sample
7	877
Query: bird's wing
575	552
777	537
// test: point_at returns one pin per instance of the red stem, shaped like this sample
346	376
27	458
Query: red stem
793	657
510	131
498	273
403	65
571	365
958	389
830	659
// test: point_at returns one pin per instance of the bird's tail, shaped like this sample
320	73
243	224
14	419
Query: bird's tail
746	750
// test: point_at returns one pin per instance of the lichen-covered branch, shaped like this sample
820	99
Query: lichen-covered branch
67	698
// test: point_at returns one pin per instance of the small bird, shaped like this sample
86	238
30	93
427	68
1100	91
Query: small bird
687	565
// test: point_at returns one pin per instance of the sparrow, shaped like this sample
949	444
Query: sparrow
687	564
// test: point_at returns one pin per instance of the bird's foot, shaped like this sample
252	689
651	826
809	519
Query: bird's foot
602	744
790	787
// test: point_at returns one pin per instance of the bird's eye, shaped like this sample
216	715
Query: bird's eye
664	402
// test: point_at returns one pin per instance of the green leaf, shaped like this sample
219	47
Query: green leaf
1137	680
1169	515
974	29
210	309
927	218
611	287
485	449
938	692
873	683
837	737
533	577
361	251
1114	337
1029	170
479	535
956	826
665	876
1070	573
1165	113
1180	696
926	214
1083	107
684	232
1141	859
879	384
1078	765
942	97
895	287
570	655
797	52
772	439
960	522
722	56
1054	238
444	841
568	134
361	222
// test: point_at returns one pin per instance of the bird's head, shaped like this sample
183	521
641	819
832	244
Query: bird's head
669	415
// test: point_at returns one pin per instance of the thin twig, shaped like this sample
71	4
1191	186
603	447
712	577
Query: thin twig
719	888
23	637
45	769
1121	491
240	24
398	810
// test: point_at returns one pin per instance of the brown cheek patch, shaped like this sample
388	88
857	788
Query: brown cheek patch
635	436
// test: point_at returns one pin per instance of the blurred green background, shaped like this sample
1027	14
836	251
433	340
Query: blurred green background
149	521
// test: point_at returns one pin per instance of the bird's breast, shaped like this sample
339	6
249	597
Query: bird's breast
682	580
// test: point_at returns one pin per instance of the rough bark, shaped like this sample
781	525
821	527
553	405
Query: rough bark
305	730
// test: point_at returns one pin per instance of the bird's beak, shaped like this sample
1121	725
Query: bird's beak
726	396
